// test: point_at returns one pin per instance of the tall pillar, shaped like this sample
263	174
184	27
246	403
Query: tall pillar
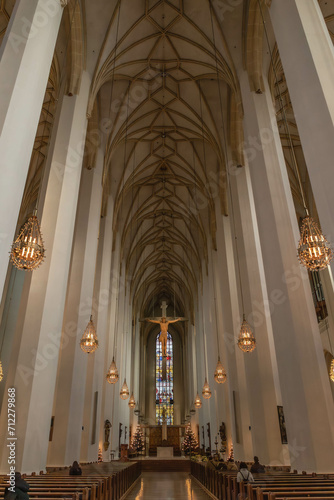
307	54
232	358
69	398
263	391
26	54
36	368
306	397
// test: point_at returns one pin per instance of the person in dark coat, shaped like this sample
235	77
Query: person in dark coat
21	489
75	469
257	467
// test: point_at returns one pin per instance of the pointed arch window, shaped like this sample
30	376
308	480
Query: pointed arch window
164	393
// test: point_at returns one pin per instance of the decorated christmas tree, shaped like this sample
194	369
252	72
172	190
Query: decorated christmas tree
231	455
138	443
190	442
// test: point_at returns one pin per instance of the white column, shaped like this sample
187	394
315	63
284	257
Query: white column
25	58
263	391
232	358
69	399
36	369
307	54
304	382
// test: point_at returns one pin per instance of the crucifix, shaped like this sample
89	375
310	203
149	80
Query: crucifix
164	322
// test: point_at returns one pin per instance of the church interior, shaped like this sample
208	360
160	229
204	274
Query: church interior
166	233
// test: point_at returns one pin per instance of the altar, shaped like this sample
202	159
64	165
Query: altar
165	451
164	448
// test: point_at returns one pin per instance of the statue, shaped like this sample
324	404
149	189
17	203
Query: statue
107	427
164	329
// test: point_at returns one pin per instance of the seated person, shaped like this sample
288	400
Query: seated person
257	467
21	489
231	465
244	474
75	469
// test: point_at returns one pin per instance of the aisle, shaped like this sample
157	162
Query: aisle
167	486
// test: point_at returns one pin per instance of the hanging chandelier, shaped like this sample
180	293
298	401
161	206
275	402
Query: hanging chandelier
220	373
246	340
28	250
124	391
132	402
206	392
1	372
198	402
314	251
112	375
89	342
331	371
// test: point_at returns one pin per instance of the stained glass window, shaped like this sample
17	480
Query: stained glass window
164	388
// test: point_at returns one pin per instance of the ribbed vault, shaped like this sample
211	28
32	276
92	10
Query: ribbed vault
163	68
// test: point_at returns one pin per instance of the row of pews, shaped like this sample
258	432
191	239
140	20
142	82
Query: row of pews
92	485
267	486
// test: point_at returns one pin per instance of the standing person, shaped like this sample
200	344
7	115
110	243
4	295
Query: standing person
257	467
75	469
244	474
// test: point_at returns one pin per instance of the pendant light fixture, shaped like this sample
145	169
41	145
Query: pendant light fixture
112	374
220	373
197	402
314	251
124	394
28	249
132	402
89	342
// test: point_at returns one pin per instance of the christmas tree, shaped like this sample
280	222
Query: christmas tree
190	442
231	455
138	443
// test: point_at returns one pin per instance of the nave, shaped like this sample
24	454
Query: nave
172	295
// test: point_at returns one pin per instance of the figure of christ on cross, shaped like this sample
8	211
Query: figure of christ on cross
163	329
164	323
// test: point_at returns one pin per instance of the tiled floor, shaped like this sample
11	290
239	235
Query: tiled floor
166	486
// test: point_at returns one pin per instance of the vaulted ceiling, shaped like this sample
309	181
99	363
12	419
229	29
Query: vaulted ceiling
165	78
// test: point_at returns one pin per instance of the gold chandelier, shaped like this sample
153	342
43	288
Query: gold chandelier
220	373
112	375
206	392
246	340
124	391
28	250
314	251
331	371
1	372
198	402
89	342
132	402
